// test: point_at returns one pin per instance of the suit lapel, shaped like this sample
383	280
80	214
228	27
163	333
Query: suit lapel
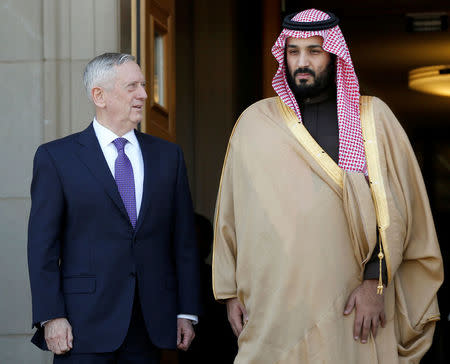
149	155
92	156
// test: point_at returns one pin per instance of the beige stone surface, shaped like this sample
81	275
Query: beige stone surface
15	302
56	29
20	30
57	99
21	123
82	34
106	23
19	350
82	110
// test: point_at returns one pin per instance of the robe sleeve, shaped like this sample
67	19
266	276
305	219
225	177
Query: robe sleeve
225	248
419	271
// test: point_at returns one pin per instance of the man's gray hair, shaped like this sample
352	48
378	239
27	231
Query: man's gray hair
101	69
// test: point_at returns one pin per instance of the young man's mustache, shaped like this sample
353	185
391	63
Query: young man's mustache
304	70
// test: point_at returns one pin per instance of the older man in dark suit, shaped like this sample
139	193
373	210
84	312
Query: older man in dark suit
112	252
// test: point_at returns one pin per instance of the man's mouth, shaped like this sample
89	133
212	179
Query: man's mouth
303	75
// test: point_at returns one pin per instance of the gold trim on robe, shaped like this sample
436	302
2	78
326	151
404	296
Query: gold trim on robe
375	176
310	144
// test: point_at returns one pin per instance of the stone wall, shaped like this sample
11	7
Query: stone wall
45	45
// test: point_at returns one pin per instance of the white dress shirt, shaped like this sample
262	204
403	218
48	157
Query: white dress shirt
132	150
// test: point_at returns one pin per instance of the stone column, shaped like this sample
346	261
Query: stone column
45	46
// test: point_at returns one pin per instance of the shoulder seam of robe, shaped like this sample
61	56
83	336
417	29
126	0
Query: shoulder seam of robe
309	143
375	176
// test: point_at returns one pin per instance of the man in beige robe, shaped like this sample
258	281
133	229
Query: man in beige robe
306	208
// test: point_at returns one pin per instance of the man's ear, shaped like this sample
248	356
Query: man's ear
98	97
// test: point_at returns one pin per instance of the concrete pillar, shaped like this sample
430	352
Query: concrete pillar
45	46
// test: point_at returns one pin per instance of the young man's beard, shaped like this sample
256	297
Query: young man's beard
321	82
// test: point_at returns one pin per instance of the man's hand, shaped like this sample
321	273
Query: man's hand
185	333
237	315
58	335
369	309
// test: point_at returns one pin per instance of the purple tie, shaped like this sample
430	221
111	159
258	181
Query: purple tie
125	179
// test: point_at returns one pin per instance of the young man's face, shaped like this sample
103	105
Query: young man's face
310	69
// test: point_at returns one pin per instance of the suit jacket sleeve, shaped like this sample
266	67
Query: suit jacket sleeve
44	239
185	245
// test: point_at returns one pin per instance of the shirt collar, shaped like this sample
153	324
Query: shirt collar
106	136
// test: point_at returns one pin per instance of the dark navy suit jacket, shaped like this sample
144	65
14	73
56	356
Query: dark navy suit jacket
84	256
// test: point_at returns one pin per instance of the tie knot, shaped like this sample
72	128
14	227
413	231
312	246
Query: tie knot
120	143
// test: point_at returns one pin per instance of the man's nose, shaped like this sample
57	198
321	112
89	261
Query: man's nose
303	60
142	93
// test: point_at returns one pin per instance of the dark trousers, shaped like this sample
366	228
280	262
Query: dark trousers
135	349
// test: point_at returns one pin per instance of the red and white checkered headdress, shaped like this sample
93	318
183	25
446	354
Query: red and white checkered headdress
351	146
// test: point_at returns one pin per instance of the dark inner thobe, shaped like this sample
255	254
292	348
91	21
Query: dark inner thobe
319	116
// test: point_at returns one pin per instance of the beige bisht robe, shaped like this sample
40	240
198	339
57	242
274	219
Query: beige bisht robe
293	232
